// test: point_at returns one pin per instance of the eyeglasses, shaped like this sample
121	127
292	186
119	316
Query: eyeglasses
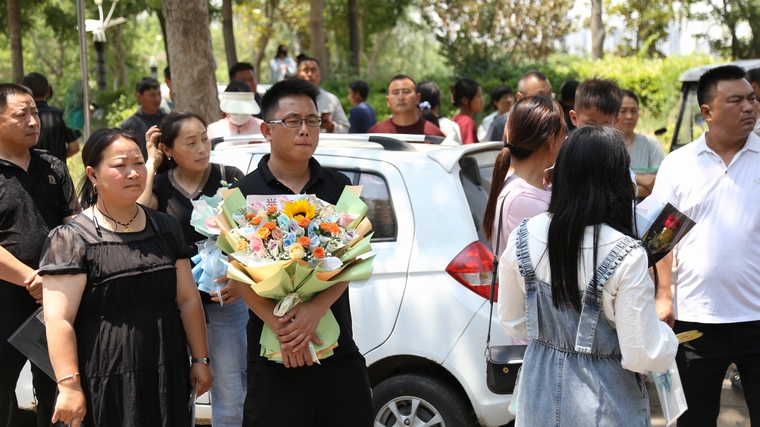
295	122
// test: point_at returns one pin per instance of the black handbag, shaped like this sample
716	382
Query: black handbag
502	361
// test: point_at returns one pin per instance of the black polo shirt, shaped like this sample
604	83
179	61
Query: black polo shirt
328	185
54	134
32	203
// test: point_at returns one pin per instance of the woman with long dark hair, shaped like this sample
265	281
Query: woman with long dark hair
576	281
121	306
534	133
179	155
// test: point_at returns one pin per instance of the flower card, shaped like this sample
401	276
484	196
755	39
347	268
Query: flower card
666	226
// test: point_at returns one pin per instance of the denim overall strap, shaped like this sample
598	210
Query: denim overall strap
592	298
529	274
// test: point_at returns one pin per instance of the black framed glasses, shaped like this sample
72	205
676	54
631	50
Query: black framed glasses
295	122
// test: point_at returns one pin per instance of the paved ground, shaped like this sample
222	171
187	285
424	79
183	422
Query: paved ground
733	411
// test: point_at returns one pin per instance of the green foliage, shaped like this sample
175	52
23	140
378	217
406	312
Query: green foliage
646	22
731	15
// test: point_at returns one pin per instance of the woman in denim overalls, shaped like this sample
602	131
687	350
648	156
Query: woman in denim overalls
576	282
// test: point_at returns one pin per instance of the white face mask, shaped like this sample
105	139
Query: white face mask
239	119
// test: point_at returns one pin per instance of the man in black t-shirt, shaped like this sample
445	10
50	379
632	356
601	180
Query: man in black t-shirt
149	114
299	392
55	136
36	195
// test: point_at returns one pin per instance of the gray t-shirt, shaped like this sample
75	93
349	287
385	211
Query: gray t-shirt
646	154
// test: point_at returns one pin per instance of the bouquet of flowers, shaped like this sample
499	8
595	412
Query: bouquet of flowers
290	247
208	263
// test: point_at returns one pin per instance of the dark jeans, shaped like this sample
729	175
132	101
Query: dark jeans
702	364
11	366
334	394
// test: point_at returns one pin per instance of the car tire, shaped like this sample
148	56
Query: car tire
415	400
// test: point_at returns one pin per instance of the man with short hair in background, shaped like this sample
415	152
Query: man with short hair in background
753	77
531	83
403	99
37	196
244	72
55	136
334	119
362	116
715	181
148	114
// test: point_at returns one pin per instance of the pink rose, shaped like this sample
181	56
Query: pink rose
346	219
257	245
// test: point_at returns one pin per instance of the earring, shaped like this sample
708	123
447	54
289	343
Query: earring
169	158
94	189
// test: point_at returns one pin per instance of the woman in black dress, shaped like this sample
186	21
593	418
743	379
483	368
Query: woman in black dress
180	152
121	306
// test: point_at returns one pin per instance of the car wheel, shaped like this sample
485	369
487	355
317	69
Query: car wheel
416	401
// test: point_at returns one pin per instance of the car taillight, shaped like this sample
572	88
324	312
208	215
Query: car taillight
473	267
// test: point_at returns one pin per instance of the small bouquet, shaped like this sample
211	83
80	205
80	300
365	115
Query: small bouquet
208	263
663	226
290	247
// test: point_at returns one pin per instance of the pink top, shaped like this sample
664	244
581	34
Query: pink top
522	201
467	127
226	128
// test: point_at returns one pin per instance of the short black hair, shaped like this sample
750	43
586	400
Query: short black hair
361	87
240	66
402	77
9	90
753	76
305	58
602	95
238	86
167	74
567	90
37	83
499	91
528	74
631	94
271	99
709	81
147	83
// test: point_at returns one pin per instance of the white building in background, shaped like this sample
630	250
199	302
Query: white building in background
683	39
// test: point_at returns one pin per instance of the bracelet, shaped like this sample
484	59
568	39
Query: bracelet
67	377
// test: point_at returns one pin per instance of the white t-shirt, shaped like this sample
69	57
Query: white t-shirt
329	103
450	129
718	261
646	344
485	124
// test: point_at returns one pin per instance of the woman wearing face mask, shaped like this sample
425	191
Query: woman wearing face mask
179	152
238	104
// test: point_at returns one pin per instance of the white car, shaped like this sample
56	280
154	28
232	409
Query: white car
421	319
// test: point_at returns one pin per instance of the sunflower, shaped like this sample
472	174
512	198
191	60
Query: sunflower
299	209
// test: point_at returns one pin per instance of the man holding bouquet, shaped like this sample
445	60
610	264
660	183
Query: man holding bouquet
299	392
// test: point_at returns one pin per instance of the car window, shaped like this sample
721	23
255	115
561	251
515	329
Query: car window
379	206
476	182
692	123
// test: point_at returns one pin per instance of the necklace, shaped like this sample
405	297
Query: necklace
179	181
126	226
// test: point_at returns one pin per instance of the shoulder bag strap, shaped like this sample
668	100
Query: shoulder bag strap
495	272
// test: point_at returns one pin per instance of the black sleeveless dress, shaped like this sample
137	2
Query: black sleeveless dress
131	343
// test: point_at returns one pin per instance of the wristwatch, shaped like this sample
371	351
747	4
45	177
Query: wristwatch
205	360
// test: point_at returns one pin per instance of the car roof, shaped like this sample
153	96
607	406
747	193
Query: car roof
693	74
376	146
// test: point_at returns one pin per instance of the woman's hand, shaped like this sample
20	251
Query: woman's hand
228	293
300	327
70	406
152	137
203	376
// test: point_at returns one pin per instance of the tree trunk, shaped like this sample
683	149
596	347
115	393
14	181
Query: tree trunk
229	35
318	49
597	30
354	40
14	26
189	43
162	21
270	8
